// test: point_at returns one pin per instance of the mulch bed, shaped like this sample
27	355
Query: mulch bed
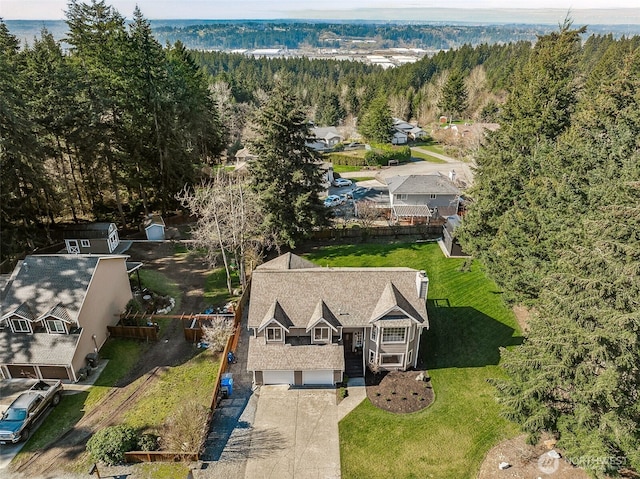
399	391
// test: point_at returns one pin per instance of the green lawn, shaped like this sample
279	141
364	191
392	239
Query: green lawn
346	168
468	324
192	380
426	157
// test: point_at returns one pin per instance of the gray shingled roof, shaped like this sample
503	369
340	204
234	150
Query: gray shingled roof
275	357
391	299
276	313
38	348
351	294
326	133
90	230
287	261
45	281
322	312
422	185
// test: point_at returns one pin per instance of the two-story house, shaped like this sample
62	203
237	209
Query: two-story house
55	311
308	323
416	198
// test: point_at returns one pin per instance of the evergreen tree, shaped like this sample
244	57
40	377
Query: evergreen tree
578	373
25	194
516	182
376	124
453	100
286	174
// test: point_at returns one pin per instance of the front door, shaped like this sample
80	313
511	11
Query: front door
348	342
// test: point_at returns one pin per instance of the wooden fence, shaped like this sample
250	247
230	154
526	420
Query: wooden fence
232	344
159	456
134	332
423	231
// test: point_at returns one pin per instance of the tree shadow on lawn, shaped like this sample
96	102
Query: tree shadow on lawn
463	337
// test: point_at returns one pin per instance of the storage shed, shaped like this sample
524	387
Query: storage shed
448	236
154	228
92	238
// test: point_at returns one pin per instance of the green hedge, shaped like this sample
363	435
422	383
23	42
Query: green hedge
348	160
382	154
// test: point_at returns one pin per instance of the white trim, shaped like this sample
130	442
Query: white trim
356	343
315	325
321	329
274	329
413	333
57	322
371	357
374	328
72	246
13	321
409	358
400	364
404	340
394	308
418	346
85	243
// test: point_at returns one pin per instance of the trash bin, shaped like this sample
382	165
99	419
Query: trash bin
92	359
226	384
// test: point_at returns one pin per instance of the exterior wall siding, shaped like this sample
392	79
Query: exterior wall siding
107	296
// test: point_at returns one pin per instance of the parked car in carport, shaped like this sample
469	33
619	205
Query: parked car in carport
333	200
341	182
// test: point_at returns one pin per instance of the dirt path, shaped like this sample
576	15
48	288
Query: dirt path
171	349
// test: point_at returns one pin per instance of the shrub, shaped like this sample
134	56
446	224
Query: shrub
184	431
344	392
110	444
382	154
148	442
344	159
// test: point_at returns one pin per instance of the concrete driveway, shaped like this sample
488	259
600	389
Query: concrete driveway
295	434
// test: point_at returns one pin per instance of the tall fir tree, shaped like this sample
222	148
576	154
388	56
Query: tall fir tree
286	173
376	124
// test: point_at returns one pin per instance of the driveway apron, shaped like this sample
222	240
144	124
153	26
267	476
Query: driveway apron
295	434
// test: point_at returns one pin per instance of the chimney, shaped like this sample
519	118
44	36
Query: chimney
422	284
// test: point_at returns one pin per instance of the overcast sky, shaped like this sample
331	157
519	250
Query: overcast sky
254	9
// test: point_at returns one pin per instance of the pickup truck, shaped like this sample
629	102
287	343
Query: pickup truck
18	420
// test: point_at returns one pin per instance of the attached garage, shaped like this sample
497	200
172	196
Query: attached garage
21	371
54	372
324	377
277	377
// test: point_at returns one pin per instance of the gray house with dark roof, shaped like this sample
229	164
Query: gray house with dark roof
55	311
310	324
416	198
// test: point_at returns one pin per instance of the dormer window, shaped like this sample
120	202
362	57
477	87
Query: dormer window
274	334
321	335
20	326
56	326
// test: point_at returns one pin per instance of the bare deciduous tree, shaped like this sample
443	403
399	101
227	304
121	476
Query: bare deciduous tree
367	213
228	222
184	430
218	333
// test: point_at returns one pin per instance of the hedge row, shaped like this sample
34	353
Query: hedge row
382	154
349	160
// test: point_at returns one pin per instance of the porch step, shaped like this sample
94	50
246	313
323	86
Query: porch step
353	366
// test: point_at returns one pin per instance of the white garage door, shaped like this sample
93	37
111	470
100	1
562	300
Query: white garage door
317	377
277	377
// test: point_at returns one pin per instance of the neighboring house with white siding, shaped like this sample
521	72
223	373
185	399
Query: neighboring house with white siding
310	325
